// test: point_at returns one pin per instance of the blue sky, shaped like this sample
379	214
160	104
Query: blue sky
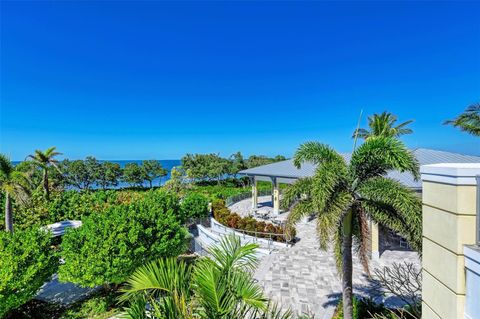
134	80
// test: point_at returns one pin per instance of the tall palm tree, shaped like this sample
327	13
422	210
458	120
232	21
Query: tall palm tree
468	121
345	196
44	160
13	184
216	287
383	125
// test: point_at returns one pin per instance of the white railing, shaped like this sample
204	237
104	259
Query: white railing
239	197
209	238
266	243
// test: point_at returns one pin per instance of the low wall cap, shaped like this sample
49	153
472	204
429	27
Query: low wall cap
451	173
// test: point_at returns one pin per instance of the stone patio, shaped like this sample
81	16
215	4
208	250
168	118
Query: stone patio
244	207
304	278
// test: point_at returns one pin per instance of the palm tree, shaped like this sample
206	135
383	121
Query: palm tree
345	196
218	287
383	125
13	184
44	160
468	121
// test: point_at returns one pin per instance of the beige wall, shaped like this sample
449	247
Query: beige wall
449	216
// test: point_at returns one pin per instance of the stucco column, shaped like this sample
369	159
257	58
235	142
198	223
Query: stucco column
275	196
375	240
254	193
449	223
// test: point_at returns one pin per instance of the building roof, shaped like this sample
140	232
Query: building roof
286	169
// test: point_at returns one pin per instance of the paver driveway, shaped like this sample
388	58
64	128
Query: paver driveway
304	278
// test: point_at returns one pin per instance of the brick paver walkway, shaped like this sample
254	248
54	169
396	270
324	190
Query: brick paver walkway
304	278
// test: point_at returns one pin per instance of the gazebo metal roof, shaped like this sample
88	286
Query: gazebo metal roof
286	169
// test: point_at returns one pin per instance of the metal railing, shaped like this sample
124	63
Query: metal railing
261	235
239	197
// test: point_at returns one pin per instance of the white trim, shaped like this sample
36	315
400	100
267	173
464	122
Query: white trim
472	258
451	173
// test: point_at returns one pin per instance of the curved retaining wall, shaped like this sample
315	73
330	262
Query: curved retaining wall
262	242
207	238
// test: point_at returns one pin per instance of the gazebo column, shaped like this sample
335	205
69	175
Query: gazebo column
275	197
375	240
253	180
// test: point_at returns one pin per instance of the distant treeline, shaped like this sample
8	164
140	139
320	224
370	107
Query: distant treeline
91	173
208	167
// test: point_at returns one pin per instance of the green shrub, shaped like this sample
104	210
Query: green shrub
100	306
224	216
26	262
109	246
362	308
194	205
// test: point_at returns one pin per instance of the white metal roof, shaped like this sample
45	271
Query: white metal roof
286	169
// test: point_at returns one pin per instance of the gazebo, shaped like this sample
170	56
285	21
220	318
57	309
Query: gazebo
286	172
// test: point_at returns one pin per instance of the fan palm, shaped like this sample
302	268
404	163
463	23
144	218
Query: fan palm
383	125
44	160
468	121
345	196
13	184
219	286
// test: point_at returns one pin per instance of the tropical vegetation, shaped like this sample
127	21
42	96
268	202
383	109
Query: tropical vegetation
14	185
110	246
344	197
136	234
212	167
27	261
220	286
468	121
251	226
383	124
45	159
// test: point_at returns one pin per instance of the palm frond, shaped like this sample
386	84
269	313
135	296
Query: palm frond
273	311
468	121
51	152
135	310
338	250
247	291
6	167
361	133
361	235
294	192
330	219
211	292
384	125
380	154
21	187
316	153
231	254
299	210
157	278
392	204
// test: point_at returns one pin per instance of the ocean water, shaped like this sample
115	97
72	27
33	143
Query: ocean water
167	164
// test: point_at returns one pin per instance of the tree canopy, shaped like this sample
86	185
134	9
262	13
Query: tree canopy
384	125
26	262
206	167
109	246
